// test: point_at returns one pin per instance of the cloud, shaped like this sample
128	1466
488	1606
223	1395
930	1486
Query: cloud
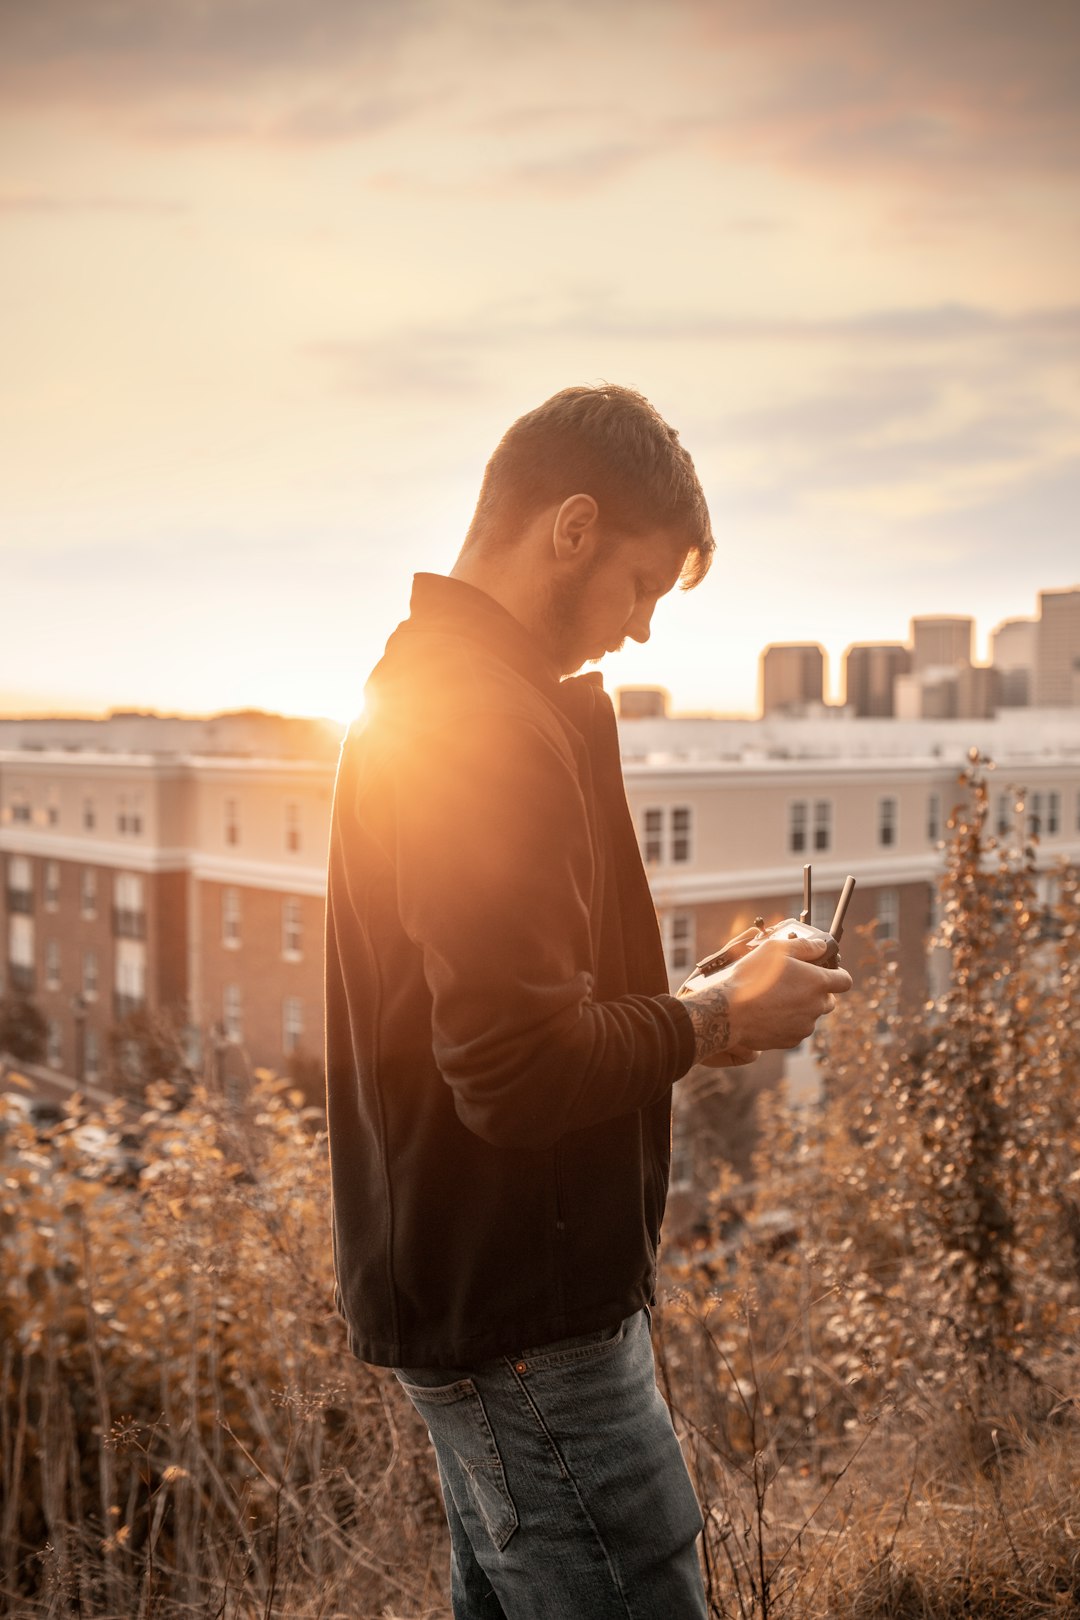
882	415
975	85
579	169
974	89
61	203
906	333
106	42
189	70
410	366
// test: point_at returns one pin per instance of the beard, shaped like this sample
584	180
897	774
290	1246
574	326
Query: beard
564	623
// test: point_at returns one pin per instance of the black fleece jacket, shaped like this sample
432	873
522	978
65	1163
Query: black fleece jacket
500	1044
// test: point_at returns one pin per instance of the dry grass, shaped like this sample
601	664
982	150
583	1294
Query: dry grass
182	1430
183	1433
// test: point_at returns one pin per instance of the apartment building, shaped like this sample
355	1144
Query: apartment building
187	889
192	887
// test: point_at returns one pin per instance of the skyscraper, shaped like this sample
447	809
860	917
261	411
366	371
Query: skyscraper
870	668
1012	654
1057	648
792	675
941	641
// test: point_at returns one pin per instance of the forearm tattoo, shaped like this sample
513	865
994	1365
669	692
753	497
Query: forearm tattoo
711	1018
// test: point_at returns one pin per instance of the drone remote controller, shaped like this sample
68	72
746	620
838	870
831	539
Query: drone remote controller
710	967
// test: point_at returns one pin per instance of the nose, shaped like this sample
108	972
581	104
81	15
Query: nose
638	627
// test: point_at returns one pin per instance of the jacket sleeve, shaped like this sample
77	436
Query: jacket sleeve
495	872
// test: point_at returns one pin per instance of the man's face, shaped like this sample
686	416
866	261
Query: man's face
613	599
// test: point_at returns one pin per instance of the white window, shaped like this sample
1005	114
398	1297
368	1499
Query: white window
52	885
1035	814
679	939
129	914
680	833
91	1055
1047	890
20	808
52	964
292	827
667	834
654	837
821	911
888	817
90	975
21	951
797	826
232	1021
129	818
52	809
54	1044
1053	812
822	824
128	891
20	873
933	818
291	929
20	882
130	976
292	1024
888	914
1004	814
232	821
681	1176
89	815
230	919
88	892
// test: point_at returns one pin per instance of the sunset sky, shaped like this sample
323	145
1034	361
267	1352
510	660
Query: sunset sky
276	274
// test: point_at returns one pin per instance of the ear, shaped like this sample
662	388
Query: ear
574	533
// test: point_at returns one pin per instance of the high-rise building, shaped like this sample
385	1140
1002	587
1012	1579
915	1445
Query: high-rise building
792	676
1012	655
870	670
976	692
941	641
1057	648
641	702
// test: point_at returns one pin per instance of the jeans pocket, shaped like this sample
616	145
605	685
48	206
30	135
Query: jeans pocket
566	1352
465	1446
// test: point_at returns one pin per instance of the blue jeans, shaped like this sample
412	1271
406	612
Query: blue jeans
566	1493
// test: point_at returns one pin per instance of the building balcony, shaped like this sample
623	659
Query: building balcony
21	978
128	924
21	900
125	1005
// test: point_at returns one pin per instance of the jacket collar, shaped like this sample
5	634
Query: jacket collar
439	602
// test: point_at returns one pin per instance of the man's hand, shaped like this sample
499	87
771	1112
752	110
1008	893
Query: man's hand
768	1000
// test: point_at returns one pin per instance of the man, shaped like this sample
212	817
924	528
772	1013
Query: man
501	1046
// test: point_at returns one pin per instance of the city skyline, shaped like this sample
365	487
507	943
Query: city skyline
834	676
273	283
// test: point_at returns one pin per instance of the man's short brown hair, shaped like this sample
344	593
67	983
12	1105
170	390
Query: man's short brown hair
607	442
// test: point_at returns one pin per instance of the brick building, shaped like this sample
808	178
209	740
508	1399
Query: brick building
185	889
